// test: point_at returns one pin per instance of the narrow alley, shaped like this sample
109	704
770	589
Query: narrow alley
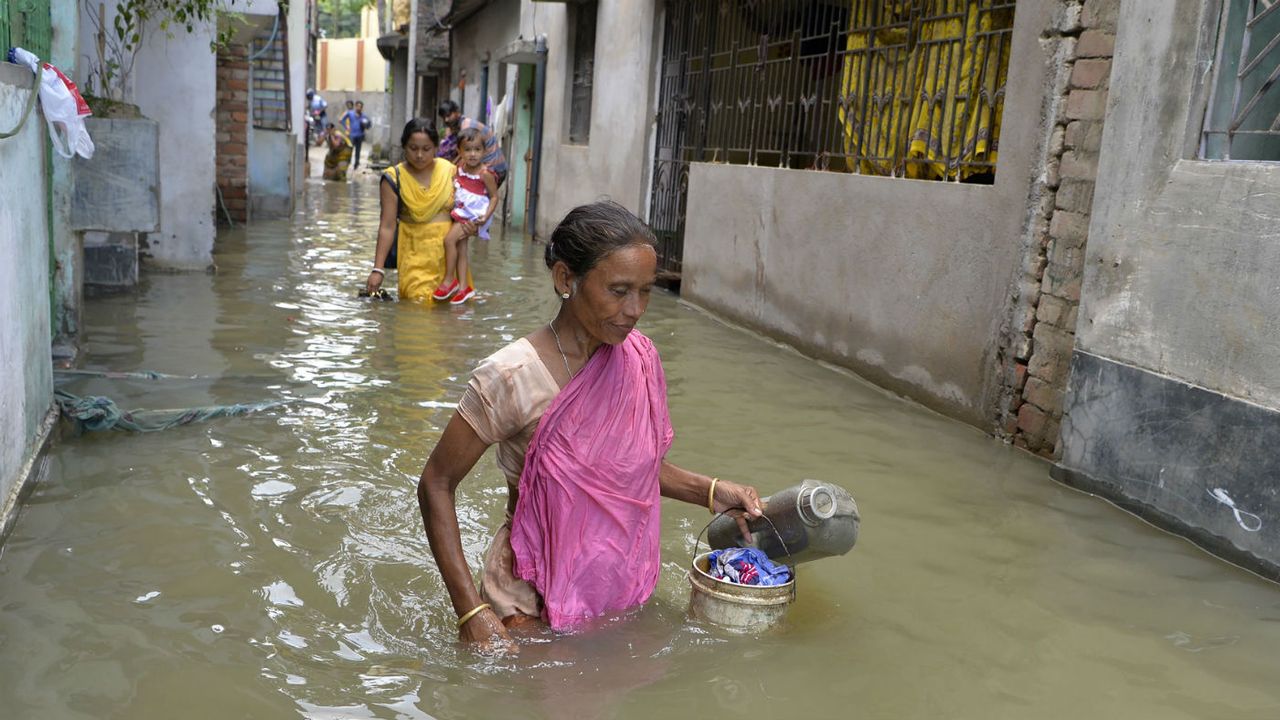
274	565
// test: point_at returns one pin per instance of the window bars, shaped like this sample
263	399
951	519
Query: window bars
1242	120
270	66
583	76
896	88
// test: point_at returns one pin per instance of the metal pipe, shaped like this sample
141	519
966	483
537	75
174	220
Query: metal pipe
539	99
411	66
483	115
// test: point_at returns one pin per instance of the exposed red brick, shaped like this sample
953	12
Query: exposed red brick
1086	104
1091	73
1096	43
1079	165
1031	420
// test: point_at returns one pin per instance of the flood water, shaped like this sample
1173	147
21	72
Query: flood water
274	566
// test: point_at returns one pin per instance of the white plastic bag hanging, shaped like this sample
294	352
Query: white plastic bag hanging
64	108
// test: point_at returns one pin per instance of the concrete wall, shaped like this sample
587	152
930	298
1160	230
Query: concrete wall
68	276
377	106
1179	301
481	39
350	64
26	393
270	158
174	84
906	282
116	190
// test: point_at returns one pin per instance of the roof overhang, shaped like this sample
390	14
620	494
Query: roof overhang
518	52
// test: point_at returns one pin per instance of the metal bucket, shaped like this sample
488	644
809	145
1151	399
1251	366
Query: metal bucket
744	608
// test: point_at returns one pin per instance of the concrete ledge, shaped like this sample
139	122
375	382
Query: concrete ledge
16	75
1166	450
32	472
118	189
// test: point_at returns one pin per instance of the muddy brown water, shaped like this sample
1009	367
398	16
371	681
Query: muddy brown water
275	566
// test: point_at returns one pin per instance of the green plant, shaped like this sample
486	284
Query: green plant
132	21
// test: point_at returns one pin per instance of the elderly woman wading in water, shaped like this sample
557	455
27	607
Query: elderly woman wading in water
578	409
416	197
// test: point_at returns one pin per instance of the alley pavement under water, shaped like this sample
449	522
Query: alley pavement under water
274	566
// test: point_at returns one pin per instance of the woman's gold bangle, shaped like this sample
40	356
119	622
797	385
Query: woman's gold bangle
472	613
711	496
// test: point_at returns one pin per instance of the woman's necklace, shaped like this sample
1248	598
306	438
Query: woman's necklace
563	357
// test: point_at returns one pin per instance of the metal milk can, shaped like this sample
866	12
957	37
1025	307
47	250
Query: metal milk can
812	520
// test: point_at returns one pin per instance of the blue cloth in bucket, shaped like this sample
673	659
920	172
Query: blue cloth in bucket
747	566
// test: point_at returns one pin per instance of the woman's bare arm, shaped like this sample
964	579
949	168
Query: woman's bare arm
453	457
386	232
680	484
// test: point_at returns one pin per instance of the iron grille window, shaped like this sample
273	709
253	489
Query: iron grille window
584	60
1242	121
270	99
903	88
897	88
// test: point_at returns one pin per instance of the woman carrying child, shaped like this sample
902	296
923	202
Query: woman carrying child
474	188
416	196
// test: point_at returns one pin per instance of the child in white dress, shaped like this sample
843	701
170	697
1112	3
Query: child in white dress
474	188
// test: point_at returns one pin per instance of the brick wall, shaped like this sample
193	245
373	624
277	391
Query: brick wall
232	128
1037	352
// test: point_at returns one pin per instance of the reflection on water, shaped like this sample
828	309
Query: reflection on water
275	566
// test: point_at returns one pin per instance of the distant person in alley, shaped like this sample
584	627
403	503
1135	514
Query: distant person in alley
578	410
417	197
357	124
338	155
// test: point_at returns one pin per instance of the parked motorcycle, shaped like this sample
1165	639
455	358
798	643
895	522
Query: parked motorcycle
315	120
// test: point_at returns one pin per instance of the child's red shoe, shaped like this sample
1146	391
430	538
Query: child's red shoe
445	291
463	295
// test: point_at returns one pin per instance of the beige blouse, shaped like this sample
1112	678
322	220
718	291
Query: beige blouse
504	400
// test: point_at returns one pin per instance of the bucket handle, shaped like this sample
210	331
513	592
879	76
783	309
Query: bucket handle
697	541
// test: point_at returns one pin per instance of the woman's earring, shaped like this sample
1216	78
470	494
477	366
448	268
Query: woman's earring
564	295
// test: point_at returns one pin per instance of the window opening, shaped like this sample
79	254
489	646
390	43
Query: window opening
270	98
584	60
1242	120
893	88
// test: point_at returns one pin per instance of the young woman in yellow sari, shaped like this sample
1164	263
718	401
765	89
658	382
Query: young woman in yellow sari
417	196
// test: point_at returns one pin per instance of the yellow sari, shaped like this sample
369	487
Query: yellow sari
420	242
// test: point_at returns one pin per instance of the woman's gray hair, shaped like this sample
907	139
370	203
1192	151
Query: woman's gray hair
590	232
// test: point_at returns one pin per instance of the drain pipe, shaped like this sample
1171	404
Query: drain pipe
539	99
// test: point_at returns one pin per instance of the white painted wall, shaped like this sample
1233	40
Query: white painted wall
26	373
907	282
70	273
615	163
174	84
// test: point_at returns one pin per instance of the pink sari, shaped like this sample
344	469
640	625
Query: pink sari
586	525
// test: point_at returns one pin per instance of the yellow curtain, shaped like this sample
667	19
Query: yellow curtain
875	75
935	101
